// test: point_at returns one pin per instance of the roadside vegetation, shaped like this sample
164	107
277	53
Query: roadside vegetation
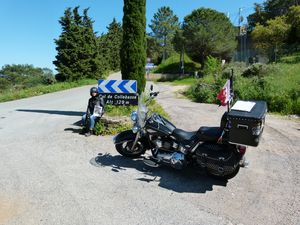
121	116
277	84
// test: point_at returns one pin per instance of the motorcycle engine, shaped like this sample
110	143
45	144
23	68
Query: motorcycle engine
166	152
164	143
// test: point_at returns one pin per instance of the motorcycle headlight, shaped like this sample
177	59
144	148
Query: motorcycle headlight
135	129
134	116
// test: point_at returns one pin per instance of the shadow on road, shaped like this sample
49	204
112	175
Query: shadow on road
76	130
56	112
188	180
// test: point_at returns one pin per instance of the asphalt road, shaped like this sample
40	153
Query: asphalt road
50	174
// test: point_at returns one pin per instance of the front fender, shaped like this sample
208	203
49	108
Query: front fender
124	136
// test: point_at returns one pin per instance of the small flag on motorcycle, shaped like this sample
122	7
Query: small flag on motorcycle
225	94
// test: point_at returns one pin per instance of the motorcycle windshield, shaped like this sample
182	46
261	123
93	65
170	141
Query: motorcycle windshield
142	110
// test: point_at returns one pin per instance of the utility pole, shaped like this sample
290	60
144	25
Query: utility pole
242	36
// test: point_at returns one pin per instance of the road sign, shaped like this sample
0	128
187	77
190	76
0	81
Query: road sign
117	86
118	92
120	99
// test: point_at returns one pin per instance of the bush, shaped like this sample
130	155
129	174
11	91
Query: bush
4	84
281	103
212	66
259	70
102	128
296	106
49	79
237	67
202	92
277	84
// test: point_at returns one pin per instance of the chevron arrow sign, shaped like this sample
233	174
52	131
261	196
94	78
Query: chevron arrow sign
117	86
118	92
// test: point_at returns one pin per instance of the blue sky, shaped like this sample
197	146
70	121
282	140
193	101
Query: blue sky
28	27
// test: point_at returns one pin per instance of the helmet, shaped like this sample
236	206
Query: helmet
93	90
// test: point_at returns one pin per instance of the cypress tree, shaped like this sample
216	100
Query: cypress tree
133	51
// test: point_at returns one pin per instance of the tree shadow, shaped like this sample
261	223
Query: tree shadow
189	180
56	112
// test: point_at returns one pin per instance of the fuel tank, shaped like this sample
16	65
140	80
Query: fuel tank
158	125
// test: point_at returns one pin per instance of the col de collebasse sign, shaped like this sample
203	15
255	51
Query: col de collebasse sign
118	92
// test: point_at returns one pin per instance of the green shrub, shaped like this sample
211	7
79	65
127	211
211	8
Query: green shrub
259	70
49	79
102	128
4	84
237	67
280	102
212	66
277	84
202	92
112	110
296	106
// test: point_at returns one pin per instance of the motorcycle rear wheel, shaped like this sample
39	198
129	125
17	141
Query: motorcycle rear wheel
125	149
226	176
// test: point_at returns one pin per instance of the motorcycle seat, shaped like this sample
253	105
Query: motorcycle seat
209	133
182	135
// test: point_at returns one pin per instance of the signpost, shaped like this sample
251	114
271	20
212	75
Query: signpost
118	92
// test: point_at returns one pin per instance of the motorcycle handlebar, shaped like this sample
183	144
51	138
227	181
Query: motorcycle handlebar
154	94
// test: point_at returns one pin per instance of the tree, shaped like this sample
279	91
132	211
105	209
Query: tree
113	43
153	50
272	36
26	75
208	32
269	10
133	51
259	16
77	50
293	18
276	8
164	26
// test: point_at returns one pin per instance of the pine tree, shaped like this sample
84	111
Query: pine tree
164	26
133	51
77	49
114	41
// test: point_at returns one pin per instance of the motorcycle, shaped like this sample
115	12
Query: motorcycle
207	148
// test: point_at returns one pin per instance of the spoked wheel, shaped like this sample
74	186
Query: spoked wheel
125	149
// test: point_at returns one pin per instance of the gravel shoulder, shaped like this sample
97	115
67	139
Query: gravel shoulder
50	174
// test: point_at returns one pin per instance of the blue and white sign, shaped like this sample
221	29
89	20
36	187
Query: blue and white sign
117	86
118	92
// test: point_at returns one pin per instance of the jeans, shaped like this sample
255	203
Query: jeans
92	120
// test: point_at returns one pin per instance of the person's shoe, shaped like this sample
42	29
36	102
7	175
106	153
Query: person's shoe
88	134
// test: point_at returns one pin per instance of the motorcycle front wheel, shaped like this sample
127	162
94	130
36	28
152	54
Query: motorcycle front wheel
125	149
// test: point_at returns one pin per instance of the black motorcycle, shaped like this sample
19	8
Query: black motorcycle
209	147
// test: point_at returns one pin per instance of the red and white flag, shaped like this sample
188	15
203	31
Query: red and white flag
224	95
